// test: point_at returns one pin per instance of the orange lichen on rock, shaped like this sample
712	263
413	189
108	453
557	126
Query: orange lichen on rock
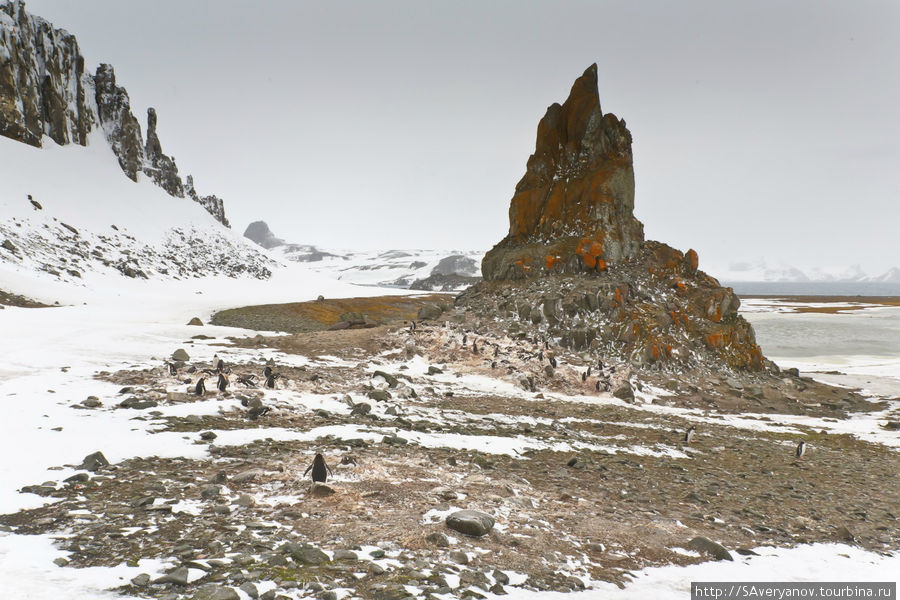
524	263
551	261
691	259
715	340
590	251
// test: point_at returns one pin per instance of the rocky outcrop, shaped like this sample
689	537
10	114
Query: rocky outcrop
259	232
575	268
44	91
572	212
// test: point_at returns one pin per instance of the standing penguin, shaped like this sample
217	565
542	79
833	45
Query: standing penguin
270	379
475	347
200	388
584	377
319	469
801	449
689	434
222	383
465	338
172	370
267	371
552	361
220	365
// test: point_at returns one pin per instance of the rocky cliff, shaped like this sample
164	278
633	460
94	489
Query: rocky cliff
45	91
572	212
575	267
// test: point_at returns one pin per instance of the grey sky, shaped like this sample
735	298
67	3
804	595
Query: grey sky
760	128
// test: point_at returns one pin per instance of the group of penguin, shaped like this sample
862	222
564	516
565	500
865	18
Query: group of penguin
601	385
222	381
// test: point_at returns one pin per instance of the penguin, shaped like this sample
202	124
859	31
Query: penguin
475	347
267	371
412	326
597	386
600	364
541	356
546	345
172	370
689	434
247	380
200	388
589	371
222	383
552	361
584	377
801	449
220	366
465	339
270	380
319	469
494	364
496	351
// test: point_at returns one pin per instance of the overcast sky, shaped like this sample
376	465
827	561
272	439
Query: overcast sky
761	129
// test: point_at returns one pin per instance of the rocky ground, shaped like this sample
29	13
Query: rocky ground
582	486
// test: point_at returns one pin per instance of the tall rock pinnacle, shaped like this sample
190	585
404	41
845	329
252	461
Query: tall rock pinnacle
573	210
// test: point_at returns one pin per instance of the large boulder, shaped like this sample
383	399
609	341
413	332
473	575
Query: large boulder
470	522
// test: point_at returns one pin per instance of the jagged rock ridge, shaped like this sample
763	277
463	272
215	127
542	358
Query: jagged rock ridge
44	90
573	209
575	267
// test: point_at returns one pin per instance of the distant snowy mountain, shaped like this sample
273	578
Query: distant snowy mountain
444	270
761	271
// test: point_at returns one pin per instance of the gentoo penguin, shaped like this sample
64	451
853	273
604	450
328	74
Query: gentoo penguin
552	361
600	364
220	365
475	347
584	376
222	383
200	388
494	364
319	469
270	379
541	356
172	370
597	386
412	326
589	371
496	351
801	449
267	371
689	434
465	339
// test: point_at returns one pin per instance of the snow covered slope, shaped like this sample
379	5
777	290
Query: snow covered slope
67	216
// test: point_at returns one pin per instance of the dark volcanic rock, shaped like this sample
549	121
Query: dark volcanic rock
470	522
44	90
573	209
707	546
575	266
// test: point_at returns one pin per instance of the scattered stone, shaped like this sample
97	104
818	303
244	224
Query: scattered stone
328	595
438	539
246	476
459	557
707	546
93	462
361	409
432	370
500	577
210	491
246	501
8	245
60	562
309	555
470	522
181	355
195	321
178	576
394	440
208	436
92	402
379	395
429	312
391	380
321	490
497	589
343	554
377	553
624	391
249	589
376	569
77	478
211	591
140	580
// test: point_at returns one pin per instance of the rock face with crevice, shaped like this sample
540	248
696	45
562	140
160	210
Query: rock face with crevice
575	267
45	91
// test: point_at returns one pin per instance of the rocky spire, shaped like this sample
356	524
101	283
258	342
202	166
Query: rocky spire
573	209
